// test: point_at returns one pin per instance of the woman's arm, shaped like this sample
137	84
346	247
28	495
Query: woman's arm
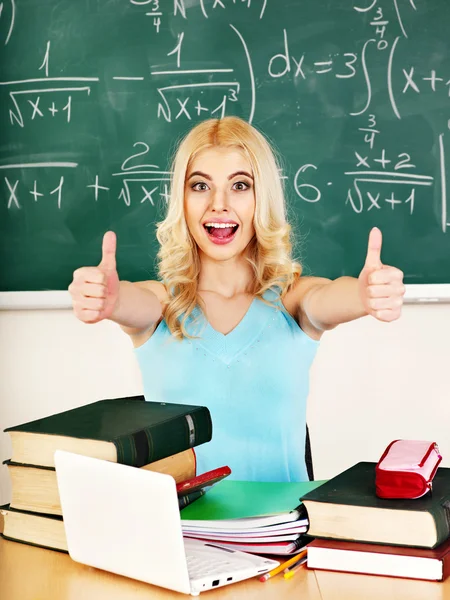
139	306
97	294
321	304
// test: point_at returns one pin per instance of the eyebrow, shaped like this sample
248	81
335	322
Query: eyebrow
206	176
201	174
240	173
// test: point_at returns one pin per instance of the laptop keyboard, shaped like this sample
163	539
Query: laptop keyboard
201	566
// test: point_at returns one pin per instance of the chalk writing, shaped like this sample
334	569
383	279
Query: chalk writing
32	108
152	174
8	15
355	98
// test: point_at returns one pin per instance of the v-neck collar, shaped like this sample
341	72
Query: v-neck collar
228	346
241	322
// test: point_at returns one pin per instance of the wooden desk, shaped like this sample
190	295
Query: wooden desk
28	573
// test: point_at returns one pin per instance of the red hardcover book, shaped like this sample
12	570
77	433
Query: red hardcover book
377	559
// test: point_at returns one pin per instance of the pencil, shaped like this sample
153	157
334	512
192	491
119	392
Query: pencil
284	565
288	573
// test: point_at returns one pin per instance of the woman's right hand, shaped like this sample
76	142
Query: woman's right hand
95	290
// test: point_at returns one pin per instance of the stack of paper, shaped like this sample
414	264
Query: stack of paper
264	518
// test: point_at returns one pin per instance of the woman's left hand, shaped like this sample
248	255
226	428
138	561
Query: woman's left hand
380	286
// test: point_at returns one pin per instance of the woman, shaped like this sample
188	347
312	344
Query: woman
232	325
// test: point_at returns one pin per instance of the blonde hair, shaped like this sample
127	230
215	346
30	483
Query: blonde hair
269	252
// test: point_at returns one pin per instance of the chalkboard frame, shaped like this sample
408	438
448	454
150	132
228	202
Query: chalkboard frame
317	153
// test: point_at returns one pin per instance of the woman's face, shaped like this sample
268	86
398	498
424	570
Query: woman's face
219	202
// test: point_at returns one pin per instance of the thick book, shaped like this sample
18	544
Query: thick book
35	488
47	531
377	559
124	430
347	508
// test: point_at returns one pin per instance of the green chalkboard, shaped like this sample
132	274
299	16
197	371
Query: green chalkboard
94	96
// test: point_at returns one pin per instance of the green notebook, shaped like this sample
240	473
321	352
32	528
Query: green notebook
245	499
125	430
347	508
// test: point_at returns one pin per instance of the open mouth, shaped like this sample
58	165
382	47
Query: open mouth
221	233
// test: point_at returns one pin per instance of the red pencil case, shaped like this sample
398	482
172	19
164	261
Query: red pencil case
406	469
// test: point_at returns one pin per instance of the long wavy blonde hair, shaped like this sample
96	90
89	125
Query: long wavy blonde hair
269	252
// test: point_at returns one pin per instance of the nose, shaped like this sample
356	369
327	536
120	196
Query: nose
219	201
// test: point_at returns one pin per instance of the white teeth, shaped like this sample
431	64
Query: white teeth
220	225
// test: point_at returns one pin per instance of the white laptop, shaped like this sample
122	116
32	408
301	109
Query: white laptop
127	521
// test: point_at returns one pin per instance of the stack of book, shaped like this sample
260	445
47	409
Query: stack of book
149	435
257	517
358	532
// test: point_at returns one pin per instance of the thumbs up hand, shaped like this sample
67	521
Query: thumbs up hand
381	287
95	290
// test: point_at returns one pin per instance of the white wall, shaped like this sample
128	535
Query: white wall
50	361
370	383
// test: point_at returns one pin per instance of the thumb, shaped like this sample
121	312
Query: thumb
108	262
373	258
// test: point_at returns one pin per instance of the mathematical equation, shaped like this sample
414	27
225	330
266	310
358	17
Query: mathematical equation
144	174
378	178
33	99
145	182
153	8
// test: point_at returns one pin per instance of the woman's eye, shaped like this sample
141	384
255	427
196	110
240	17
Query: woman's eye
240	186
200	186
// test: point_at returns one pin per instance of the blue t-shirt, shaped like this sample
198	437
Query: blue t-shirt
254	380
